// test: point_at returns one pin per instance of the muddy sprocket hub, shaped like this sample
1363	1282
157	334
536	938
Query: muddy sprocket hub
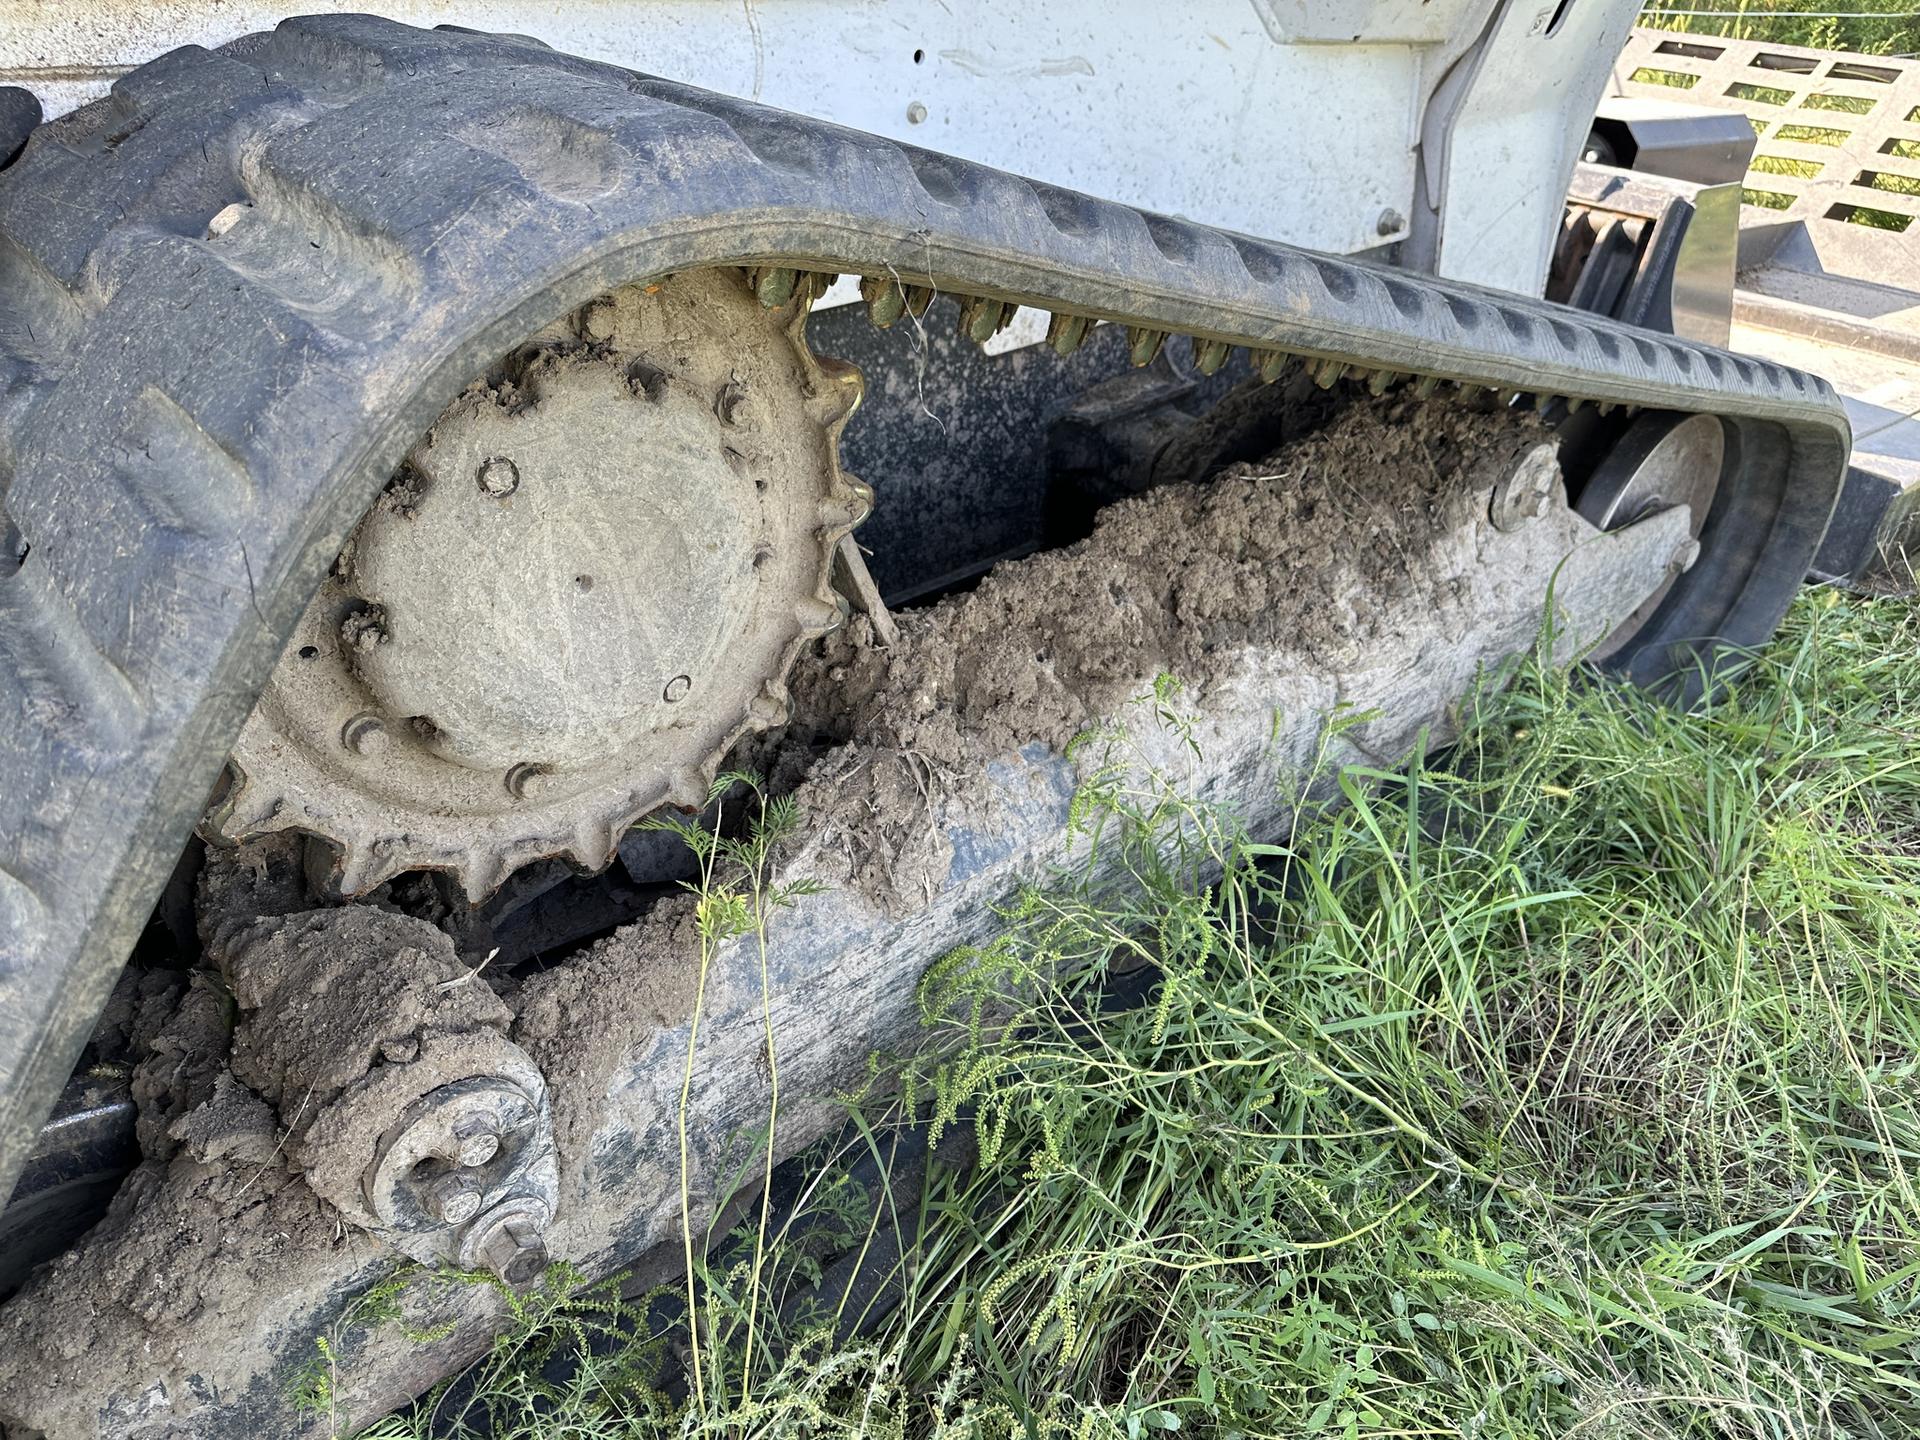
584	585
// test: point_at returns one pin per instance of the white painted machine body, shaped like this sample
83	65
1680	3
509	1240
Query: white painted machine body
1447	127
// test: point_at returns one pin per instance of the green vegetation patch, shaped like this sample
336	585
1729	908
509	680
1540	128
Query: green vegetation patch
1812	134
1846	104
1759	94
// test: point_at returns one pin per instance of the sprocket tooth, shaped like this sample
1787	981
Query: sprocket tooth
250	809
357	870
688	789
480	872
816	616
594	842
840	388
772	706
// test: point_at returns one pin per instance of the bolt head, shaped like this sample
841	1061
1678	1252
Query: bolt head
1684	556
1390	222
454	1199
916	113
676	689
597	320
366	734
498	477
731	404
528	781
477	1150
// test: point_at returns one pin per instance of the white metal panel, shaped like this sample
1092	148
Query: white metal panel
1195	109
1503	136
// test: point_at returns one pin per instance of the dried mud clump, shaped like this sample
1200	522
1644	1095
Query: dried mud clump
1311	549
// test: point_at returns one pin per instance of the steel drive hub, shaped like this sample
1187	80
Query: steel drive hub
587	582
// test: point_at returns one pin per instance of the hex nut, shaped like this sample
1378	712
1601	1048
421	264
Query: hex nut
498	477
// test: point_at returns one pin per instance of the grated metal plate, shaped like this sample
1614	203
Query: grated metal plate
1839	134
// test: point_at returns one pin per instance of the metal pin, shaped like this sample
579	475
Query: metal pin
1424	387
885	301
981	318
774	286
1144	344
817	283
1210	355
1327	372
1066	333
1272	363
1379	381
918	298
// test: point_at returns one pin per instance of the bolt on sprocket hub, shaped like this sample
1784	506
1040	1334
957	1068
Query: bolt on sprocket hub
586	583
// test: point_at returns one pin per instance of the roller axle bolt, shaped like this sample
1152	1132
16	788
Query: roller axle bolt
498	477
1526	493
477	1150
454	1199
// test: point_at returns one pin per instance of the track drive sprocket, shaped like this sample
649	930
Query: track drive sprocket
586	582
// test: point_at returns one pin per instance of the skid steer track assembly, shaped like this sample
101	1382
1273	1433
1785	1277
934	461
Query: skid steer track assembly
273	314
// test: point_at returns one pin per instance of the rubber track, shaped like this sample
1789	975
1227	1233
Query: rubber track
190	425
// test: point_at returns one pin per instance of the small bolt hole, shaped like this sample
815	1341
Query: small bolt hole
919	56
583	583
423	726
309	652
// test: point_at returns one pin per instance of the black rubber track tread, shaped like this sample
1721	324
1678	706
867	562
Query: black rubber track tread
192	424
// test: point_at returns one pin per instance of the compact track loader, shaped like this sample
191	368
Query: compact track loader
426	454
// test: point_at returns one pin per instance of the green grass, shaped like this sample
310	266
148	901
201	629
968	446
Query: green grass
1566	1084
1869	27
